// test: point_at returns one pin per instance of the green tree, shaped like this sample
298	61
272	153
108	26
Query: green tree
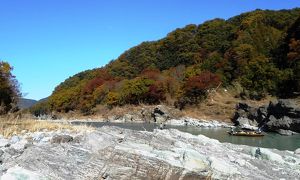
9	89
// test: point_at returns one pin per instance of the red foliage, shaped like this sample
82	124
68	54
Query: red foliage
204	81
93	84
156	93
99	80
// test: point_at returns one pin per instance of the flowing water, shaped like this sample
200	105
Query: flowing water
270	140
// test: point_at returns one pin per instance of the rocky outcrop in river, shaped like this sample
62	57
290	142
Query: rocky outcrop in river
282	117
115	153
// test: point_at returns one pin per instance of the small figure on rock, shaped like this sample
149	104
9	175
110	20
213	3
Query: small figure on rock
257	153
161	126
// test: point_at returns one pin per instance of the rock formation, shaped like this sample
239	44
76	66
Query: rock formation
115	153
282	117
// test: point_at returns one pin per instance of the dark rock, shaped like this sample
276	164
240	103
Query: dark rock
243	106
285	123
61	139
120	140
282	116
158	111
7	145
160	114
262	114
240	113
104	176
252	113
284	107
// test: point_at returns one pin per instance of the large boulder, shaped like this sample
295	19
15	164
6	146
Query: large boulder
284	107
246	123
245	116
282	116
161	114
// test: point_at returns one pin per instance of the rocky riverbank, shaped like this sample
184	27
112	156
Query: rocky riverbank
156	114
282	116
187	121
115	153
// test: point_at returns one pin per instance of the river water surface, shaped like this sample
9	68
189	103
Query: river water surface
270	140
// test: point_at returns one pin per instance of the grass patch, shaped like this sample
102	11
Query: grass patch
21	126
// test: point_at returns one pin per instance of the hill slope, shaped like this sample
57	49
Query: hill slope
24	103
183	66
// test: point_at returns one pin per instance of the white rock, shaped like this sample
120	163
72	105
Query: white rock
241	162
18	173
196	123
14	139
162	151
267	154
20	145
222	167
297	151
38	136
4	142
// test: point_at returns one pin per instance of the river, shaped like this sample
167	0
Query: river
270	140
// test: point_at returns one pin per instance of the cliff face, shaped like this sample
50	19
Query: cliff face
114	153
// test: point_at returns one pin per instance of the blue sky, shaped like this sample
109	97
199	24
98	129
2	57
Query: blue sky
49	40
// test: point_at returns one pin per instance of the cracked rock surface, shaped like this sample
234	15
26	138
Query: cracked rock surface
115	153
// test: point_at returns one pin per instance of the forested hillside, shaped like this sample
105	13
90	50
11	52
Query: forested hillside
9	89
259	50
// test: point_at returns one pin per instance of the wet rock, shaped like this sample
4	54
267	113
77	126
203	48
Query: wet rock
285	132
61	139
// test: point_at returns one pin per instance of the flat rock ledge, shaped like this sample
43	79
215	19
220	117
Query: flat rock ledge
115	153
187	121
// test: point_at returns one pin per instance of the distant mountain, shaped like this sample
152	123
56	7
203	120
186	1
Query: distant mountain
42	100
26	103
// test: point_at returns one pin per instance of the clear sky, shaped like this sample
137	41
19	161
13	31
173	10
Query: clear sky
49	40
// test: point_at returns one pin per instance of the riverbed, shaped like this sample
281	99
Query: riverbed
270	140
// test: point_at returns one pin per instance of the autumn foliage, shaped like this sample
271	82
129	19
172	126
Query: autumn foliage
258	50
9	89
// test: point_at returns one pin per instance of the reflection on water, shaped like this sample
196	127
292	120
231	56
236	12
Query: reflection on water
270	140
